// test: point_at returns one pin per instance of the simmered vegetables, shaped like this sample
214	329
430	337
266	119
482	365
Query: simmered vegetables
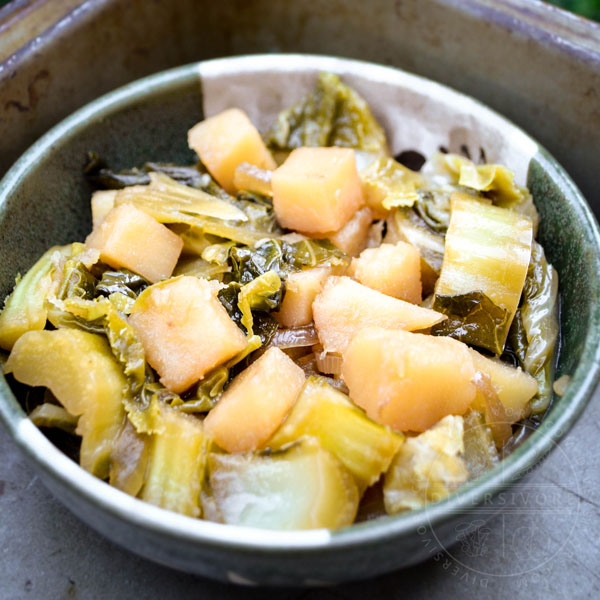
265	336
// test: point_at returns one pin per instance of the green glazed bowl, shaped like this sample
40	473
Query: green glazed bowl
44	200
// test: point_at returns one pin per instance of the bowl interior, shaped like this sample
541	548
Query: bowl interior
44	200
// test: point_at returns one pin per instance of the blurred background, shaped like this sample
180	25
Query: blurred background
585	8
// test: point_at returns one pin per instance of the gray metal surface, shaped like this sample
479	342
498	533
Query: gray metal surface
544	545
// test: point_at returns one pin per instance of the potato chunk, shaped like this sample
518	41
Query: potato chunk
515	387
346	306
226	140
317	190
185	330
301	289
394	270
352	237
103	201
408	381
255	403
128	237
79	369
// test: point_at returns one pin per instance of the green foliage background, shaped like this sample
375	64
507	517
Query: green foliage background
585	8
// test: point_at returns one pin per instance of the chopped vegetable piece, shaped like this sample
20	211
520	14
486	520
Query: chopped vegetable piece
255	403
52	415
365	448
353	236
388	184
408	381
25	309
535	328
171	202
329	363
427	468
480	452
129	459
123	282
316	190
253	179
301	289
561	385
394	270
515	387
185	331
225	141
346	306
284	258
299	487
498	183
488	402
486	256
79	369
405	225
295	337
103	201
176	464
332	115
128	237
262	293
473	318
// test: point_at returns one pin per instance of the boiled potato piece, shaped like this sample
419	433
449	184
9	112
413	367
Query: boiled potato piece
225	141
176	463
252	179
515	387
185	330
302	487
346	306
256	403
404	225
427	468
316	190
301	289
80	370
365	448
352	237
128	237
394	270
103	201
408	381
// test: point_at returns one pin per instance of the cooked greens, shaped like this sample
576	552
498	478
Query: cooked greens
333	114
263	347
534	332
487	251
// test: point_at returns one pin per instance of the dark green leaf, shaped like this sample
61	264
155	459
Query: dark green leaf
534	331
474	319
78	281
122	281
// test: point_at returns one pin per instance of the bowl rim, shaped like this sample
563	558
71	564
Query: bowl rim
125	508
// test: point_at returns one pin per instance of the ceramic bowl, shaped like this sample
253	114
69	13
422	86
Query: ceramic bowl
44	200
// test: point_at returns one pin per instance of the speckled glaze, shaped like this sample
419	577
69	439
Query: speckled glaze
44	200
